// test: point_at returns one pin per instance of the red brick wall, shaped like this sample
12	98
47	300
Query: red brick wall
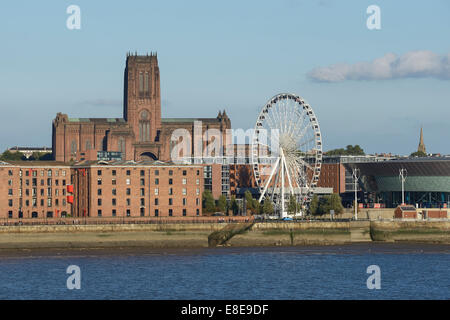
437	214
132	201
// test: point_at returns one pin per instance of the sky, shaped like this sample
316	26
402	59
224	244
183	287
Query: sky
372	87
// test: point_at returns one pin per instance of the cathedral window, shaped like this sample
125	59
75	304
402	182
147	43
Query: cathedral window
144	126
73	147
141	84
146	88
122	146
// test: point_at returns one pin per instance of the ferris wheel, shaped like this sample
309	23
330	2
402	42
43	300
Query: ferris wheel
286	152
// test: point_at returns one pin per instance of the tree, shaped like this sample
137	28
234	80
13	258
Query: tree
248	200
234	205
208	201
257	206
292	205
332	202
355	150
41	156
314	205
12	156
325	204
418	154
19	156
46	157
349	151
268	207
222	203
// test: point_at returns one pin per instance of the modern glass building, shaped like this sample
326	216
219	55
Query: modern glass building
427	181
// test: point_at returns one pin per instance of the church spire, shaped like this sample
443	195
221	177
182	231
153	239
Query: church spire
421	147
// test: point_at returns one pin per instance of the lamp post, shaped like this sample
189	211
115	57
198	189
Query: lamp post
355	176
402	177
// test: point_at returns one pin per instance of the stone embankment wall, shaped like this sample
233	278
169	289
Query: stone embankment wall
191	235
417	231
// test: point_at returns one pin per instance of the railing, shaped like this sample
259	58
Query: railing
160	220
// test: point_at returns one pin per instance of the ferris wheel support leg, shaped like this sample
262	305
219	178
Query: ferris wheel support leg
290	183
276	180
289	176
282	213
268	181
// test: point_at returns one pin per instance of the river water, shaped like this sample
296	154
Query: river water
408	271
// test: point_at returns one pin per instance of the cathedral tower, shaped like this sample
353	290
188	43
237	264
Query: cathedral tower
142	98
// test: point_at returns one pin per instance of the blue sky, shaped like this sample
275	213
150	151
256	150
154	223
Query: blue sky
233	55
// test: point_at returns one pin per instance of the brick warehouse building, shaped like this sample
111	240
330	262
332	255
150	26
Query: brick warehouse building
100	189
141	133
137	189
32	189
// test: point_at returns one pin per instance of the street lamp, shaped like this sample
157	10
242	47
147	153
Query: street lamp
355	176
402	177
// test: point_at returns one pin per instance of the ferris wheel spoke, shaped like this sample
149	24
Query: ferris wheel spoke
303	131
308	141
271	120
301	162
293	121
300	127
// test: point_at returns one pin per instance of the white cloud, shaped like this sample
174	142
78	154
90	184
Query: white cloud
413	64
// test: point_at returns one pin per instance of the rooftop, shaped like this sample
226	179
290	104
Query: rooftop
128	163
179	120
97	120
34	163
30	148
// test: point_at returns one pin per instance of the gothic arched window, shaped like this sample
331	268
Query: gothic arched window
88	145
73	147
146	88
144	85
144	126
121	145
141	84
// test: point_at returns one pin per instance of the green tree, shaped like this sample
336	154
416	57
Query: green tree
257	207
12	156
248	200
354	150
268	207
41	156
222	203
234	205
208	201
292	205
327	203
418	154
331	202
46	157
314	205
348	151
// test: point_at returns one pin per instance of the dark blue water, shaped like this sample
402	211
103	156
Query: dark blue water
337	272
